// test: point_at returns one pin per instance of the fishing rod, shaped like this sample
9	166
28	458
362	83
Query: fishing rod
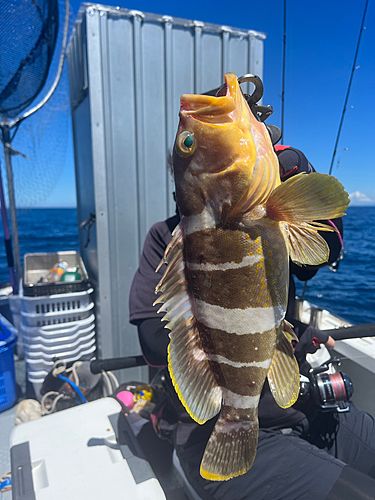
348	332
283	71
354	66
351	332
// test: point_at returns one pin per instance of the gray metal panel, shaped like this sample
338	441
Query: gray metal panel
85	185
128	69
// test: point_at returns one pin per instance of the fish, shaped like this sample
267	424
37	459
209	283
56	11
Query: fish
225	287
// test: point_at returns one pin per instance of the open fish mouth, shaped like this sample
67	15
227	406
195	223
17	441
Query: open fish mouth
208	108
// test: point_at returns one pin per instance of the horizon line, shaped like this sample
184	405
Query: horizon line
40	208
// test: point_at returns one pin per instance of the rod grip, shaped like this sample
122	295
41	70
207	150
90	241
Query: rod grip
111	364
352	332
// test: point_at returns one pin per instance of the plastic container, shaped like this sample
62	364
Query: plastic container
61	340
38	265
8	340
56	318
59	353
43	364
60	330
59	303
38	349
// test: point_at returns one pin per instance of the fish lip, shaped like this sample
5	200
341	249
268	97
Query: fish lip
206	108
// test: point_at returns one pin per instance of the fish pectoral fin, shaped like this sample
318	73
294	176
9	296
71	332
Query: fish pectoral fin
231	449
283	375
188	365
308	198
300	201
305	245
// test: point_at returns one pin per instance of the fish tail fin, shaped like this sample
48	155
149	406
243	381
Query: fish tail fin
231	449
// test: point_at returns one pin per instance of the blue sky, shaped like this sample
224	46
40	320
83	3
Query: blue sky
321	43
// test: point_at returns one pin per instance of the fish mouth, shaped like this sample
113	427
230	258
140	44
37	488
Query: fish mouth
215	109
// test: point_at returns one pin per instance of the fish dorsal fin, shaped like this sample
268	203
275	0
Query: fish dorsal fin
298	202
283	375
188	365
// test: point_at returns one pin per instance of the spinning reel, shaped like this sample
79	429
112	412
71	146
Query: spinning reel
329	388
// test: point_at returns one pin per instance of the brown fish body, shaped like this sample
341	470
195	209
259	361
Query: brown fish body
238	281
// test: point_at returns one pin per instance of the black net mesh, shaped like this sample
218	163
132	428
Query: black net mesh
28	33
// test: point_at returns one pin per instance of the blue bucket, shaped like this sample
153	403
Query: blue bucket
8	341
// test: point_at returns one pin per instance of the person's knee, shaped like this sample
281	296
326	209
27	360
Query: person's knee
352	485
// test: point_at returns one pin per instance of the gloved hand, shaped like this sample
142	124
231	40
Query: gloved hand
310	341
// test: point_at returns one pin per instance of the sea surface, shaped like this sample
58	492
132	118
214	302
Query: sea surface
350	292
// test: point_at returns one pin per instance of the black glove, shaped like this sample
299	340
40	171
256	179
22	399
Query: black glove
309	341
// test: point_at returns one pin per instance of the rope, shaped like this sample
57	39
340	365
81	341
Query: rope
50	399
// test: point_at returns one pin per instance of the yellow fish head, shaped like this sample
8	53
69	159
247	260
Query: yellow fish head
223	156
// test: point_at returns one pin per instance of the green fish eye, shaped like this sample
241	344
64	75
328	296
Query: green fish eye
189	141
186	143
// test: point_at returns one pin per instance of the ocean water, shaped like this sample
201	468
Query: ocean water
42	230
350	292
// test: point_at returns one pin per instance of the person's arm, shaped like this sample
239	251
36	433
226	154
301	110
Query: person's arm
153	337
154	341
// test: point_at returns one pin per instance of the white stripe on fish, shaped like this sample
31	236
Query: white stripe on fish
248	260
238	401
239	321
204	220
227	427
237	364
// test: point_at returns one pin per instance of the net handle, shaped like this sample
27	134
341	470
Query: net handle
16	121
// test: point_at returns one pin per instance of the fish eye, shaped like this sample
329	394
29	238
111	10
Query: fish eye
186	143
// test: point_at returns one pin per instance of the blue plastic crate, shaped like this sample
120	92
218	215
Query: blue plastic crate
8	340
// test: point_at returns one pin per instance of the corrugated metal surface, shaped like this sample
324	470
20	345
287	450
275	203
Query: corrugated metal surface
127	72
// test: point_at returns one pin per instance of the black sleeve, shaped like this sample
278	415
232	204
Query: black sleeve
153	336
142	291
154	341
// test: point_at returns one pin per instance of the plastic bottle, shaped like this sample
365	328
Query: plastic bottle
57	271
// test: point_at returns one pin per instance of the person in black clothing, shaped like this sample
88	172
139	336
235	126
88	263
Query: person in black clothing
300	455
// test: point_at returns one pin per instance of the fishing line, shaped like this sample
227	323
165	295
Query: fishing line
345	358
283	76
362	28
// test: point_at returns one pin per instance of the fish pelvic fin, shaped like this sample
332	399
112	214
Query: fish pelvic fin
298	203
283	375
231	449
188	366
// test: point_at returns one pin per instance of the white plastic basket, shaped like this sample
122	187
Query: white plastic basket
59	330
15	303
58	352
56	304
34	348
56	318
33	366
61	340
